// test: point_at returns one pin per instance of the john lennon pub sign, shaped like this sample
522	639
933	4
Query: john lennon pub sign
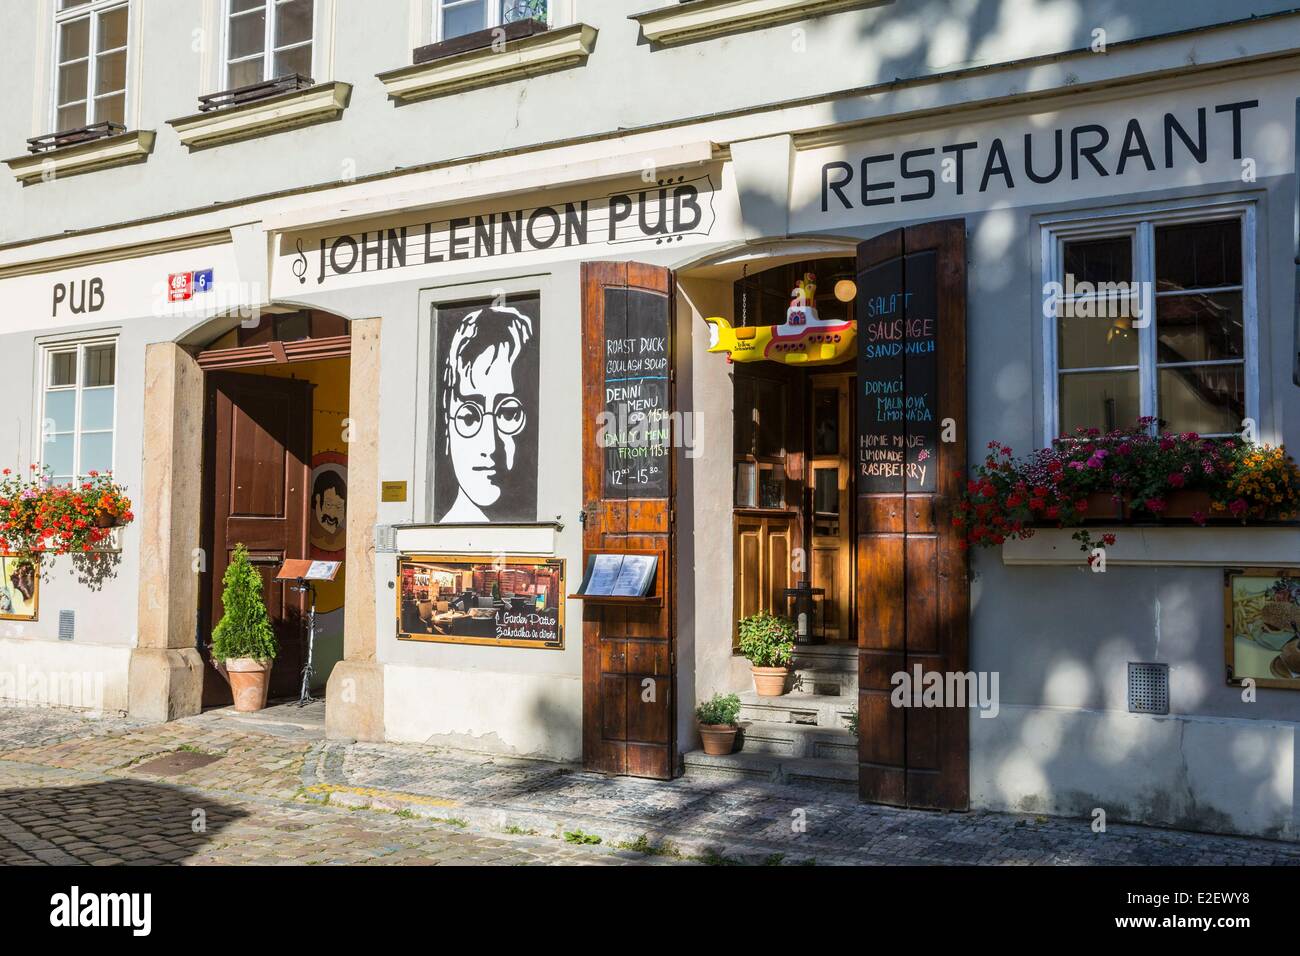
666	211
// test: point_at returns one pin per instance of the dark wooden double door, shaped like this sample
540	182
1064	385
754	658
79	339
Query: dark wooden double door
257	473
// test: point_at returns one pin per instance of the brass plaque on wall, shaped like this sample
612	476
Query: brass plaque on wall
393	491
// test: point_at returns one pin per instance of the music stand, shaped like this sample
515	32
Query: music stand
300	573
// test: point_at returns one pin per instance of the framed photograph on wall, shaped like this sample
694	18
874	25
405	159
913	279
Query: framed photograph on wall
484	419
20	590
1261	626
503	602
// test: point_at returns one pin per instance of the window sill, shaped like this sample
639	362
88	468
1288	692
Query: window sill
529	56
317	104
119	150
1269	546
683	22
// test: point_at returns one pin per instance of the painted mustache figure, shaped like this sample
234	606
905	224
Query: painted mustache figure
804	338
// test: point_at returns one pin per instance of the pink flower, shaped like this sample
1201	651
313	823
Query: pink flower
1200	517
1238	508
1155	505
1177	480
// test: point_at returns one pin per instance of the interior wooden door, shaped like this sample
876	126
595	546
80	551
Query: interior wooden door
259	447
913	585
831	515
628	652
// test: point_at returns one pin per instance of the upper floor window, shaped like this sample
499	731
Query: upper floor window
78	409
455	18
266	39
1153	316
90	63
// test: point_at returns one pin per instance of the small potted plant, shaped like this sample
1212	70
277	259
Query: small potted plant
767	641
243	640
717	717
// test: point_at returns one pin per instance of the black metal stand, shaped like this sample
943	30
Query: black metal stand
308	670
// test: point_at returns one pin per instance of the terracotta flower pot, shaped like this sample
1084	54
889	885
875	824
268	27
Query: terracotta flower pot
769	681
718	739
106	519
249	680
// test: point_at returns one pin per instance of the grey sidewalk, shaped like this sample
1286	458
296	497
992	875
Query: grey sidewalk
746	822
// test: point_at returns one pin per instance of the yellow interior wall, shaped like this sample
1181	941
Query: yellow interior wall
329	409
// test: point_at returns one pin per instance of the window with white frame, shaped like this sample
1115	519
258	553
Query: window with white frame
90	44
78	409
1152	316
455	18
266	39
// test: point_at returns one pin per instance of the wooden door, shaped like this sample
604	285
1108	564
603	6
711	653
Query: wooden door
762	563
830	509
913	588
259	447
628	653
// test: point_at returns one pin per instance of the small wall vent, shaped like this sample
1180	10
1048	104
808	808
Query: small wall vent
1148	688
385	539
67	625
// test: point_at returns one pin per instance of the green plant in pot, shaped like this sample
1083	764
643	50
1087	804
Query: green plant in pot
243	640
717	717
767	641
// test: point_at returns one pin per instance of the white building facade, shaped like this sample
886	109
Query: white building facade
383	260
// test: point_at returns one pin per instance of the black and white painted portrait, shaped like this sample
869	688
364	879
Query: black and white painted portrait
485	412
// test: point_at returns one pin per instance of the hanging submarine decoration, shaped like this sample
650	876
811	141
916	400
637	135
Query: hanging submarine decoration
804	338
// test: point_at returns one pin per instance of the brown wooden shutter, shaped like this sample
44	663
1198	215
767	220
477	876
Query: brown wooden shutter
628	652
913	584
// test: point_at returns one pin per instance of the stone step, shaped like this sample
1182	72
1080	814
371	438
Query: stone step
816	710
797	740
826	683
770	768
827	657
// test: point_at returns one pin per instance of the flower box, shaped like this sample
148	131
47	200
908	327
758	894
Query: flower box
1130	476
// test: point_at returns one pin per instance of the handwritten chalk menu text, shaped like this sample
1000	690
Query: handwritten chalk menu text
898	367
634	427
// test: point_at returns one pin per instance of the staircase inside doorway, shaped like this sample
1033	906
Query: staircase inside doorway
802	737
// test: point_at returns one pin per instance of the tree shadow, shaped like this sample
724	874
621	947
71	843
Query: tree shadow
136	822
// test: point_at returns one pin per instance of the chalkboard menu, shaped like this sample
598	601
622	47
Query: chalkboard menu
898	363
635	428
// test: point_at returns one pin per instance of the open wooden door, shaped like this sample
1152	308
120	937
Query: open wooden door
259	447
628	652
913	586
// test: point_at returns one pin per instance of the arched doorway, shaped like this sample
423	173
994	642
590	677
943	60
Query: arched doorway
275	479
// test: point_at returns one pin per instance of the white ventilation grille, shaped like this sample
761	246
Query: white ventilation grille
67	625
385	539
1148	688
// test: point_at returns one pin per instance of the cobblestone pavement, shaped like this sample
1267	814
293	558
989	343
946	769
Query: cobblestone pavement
83	795
262	781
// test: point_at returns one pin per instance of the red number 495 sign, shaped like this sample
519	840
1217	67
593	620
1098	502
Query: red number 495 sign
180	286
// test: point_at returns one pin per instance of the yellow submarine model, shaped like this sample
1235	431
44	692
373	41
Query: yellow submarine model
804	338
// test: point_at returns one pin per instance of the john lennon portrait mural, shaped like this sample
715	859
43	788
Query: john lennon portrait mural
485	411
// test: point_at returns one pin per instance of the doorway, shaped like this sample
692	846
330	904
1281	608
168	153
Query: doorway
793	522
275	480
852	469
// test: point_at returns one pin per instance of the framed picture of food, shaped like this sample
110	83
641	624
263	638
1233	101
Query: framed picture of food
1261	626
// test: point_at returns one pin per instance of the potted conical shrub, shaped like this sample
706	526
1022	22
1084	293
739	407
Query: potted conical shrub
767	641
243	640
717	717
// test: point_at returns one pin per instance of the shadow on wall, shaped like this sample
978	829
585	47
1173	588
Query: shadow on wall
1063	741
136	821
